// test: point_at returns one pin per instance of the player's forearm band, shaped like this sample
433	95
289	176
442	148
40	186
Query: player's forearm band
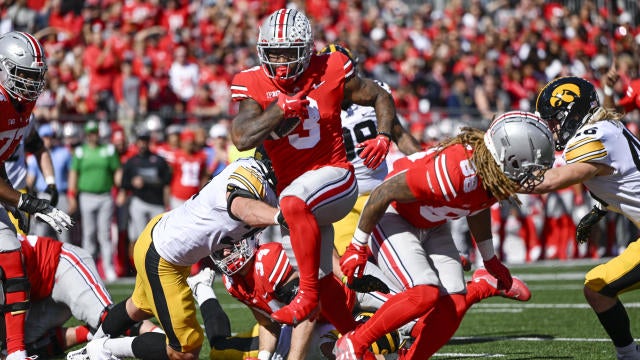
71	193
384	133
50	180
486	249
360	238
264	355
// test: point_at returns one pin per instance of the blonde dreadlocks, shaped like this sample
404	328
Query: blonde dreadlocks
493	179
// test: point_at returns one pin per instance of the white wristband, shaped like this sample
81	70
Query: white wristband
608	91
275	218
486	249
50	180
360	238
264	355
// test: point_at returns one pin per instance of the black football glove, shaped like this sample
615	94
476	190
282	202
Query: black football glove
368	283
43	210
52	190
31	204
583	230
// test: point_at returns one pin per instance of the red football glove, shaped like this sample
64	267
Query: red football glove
294	106
375	150
500	272
353	261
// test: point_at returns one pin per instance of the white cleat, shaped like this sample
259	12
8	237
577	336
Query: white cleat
205	277
80	354
94	350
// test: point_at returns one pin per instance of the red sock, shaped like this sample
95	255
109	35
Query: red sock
305	241
478	291
333	301
14	321
397	311
434	330
82	332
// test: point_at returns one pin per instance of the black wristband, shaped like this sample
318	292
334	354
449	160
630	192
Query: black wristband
384	133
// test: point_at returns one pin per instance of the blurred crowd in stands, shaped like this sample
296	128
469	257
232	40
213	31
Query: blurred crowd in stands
164	66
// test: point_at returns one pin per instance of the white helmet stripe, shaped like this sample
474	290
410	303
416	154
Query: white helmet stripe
34	45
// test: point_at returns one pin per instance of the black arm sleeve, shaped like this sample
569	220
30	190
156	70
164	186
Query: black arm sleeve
234	192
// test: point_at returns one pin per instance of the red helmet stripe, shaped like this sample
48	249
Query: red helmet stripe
34	44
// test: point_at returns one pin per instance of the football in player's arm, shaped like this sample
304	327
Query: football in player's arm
316	183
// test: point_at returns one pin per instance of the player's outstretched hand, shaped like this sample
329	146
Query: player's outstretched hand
583	230
375	150
43	210
353	261
500	272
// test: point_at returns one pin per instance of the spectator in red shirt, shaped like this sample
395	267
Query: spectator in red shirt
189	169
102	67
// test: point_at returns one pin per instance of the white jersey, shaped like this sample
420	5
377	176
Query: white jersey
189	232
359	123
610	143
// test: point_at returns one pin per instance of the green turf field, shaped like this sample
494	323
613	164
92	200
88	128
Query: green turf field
555	324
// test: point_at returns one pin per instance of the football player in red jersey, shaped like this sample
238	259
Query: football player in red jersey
411	239
268	283
22	78
291	103
64	282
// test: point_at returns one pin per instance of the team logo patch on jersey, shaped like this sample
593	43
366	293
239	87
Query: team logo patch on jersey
564	94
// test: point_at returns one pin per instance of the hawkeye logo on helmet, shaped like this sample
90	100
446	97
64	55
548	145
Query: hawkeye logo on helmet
564	94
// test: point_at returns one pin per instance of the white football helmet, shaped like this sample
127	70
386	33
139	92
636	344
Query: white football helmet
286	33
23	65
232	256
522	145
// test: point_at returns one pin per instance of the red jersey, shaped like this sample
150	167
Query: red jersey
13	127
631	99
188	169
446	186
166	151
271	269
41	257
317	140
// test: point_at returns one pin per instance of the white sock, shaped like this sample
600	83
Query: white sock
204	293
98	334
120	347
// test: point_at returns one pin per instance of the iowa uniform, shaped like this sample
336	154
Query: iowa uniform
359	123
174	241
610	143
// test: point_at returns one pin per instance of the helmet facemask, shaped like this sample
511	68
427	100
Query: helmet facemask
231	257
285	45
22	82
